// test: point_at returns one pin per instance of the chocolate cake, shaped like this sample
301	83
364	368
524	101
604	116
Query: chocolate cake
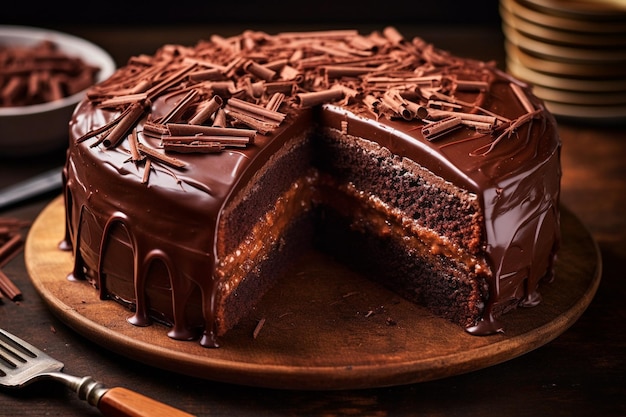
195	176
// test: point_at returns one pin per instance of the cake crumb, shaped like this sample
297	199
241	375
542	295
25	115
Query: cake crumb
258	328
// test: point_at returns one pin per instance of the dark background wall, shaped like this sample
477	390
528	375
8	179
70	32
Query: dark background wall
60	13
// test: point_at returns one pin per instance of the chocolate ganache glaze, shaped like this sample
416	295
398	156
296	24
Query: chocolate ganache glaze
159	149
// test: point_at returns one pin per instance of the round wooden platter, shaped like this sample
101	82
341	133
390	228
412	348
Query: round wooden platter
323	327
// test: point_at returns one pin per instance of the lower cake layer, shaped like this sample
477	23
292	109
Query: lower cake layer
406	266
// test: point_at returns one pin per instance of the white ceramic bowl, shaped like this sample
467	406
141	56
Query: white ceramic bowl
39	128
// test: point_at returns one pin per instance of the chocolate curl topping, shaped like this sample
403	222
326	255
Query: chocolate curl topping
436	129
190	130
207	110
523	99
254	90
470	85
231	69
372	103
146	172
160	157
220	118
318	97
363	43
262	126
132	144
393	35
213	74
141	87
284	87
196	147
123	127
277	65
151	128
396	103
169	81
180	108
322	34
259	71
223	43
442	114
255	110
508	131
275	101
444	105
290	73
338	71
116	102
241	82
104	128
202	139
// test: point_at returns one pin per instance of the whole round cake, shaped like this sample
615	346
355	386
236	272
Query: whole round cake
195	177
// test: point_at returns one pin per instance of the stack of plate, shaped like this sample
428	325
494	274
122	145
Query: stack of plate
573	52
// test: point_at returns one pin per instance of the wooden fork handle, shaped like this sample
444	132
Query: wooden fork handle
121	402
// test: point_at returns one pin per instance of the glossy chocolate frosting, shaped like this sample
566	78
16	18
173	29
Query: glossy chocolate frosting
463	120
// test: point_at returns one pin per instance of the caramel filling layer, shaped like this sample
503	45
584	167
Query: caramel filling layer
367	212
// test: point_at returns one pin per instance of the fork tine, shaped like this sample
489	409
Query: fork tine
15	345
21	363
23	346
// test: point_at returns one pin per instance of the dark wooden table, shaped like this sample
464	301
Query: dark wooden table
580	373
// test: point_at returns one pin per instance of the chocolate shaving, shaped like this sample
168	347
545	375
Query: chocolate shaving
207	110
318	97
146	172
273	104
436	129
119	101
160	157
521	96
263	127
508	131
8	287
169	81
194	147
154	129
10	247
133	145
180	108
254	110
124	125
194	130
470	85
259	71
220	119
11	242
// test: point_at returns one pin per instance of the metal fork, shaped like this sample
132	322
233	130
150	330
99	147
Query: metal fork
21	364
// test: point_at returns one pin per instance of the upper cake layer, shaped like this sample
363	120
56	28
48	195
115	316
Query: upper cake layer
190	126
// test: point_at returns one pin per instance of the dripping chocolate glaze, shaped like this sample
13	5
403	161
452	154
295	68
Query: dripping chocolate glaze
390	88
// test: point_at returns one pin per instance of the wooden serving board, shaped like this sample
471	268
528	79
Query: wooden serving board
324	327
